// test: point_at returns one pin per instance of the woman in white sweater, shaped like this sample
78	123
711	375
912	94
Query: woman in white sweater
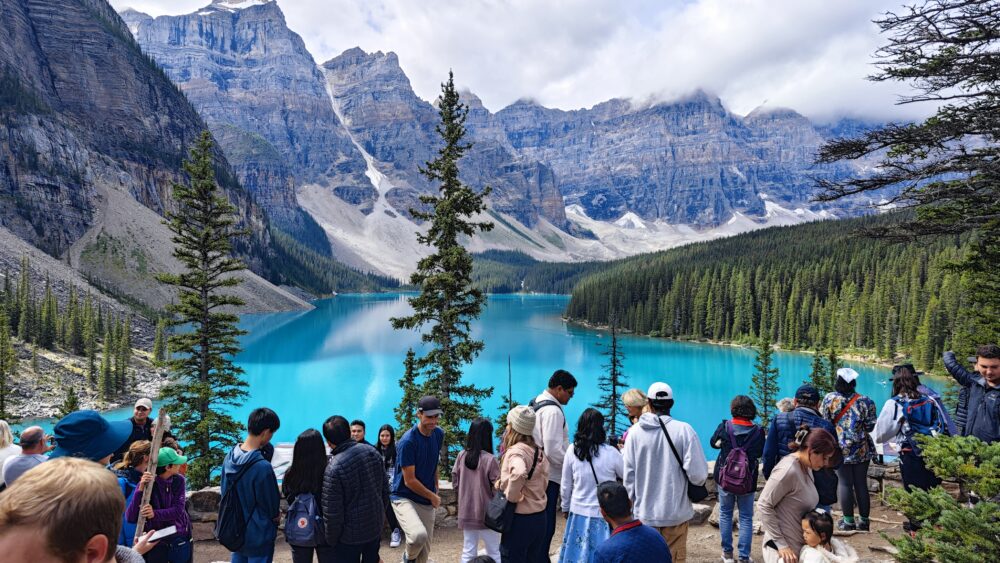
589	462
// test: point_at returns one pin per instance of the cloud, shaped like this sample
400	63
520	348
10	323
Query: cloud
809	55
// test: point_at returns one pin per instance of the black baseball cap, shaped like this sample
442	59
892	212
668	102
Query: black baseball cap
429	405
807	393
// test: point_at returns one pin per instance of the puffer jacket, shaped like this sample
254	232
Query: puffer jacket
958	371
355	494
983	412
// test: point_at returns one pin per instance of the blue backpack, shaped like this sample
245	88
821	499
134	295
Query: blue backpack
920	418
303	523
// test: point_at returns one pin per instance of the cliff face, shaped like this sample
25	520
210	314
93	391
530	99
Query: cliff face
86	115
257	87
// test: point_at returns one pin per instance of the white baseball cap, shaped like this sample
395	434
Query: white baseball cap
847	374
144	402
659	391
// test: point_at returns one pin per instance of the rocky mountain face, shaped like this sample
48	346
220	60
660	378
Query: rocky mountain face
88	120
255	84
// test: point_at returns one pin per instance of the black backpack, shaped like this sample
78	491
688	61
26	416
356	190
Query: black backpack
231	527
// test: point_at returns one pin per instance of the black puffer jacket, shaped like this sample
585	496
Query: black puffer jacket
355	494
959	372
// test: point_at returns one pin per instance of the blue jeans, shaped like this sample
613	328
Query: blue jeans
727	502
171	550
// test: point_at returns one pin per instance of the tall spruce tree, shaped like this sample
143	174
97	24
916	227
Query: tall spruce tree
819	375
106	378
71	403
207	380
764	383
159	344
612	384
448	302
406	410
8	366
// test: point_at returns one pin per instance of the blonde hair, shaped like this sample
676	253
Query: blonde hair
635	398
68	501
6	436
133	457
512	437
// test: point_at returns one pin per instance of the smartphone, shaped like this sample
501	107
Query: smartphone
165	532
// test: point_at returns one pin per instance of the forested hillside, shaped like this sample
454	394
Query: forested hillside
818	285
508	271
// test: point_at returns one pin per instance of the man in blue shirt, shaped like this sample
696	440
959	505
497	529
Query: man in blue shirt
415	484
630	540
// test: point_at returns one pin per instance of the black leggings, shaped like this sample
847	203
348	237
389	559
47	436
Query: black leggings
854	486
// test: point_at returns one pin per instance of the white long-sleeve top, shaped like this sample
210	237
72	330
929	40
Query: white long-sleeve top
552	434
579	489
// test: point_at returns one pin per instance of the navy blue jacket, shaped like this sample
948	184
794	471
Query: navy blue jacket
259	496
782	432
720	441
633	542
983	418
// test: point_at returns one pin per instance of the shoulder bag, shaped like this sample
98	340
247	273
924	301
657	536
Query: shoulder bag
695	493
500	511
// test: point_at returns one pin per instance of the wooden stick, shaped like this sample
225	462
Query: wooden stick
154	452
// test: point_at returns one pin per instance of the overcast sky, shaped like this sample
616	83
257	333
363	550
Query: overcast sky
809	55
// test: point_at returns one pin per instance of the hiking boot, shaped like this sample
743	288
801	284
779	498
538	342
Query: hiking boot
864	525
396	539
728	558
845	526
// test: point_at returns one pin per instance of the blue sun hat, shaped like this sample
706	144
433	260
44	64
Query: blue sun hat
87	435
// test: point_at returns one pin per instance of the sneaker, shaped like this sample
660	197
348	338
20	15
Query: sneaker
864	525
728	558
747	560
396	539
845	526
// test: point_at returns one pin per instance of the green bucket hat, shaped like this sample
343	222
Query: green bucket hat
168	456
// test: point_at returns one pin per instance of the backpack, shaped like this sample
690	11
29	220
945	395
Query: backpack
736	474
542	404
303	523
920	417
231	528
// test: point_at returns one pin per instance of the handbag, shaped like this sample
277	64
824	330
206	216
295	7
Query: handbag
696	493
500	511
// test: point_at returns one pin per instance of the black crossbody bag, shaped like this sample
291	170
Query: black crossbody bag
696	493
500	511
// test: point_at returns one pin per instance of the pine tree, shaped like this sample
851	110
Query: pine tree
124	353
159	346
90	342
764	384
448	301
612	384
74	326
207	379
106	380
819	376
8	366
25	321
833	364
406	410
47	324
70	404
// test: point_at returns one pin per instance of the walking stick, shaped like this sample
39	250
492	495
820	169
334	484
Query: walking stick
154	451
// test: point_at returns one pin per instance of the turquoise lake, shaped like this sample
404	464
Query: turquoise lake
344	358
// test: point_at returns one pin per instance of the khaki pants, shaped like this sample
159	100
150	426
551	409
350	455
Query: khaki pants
677	537
417	522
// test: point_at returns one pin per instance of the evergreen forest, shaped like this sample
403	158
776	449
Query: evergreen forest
815	286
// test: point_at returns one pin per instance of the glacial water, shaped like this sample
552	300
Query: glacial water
344	358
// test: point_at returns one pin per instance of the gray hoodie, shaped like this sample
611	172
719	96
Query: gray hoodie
653	478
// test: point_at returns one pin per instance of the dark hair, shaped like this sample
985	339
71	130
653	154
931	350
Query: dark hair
614	501
904	383
589	435
844	388
821	523
661	406
305	475
263	419
743	407
816	440
479	439
482	559
358	422
388	452
336	430
991	351
562	378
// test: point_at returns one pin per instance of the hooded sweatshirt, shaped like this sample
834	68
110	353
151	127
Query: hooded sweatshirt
653	478
259	496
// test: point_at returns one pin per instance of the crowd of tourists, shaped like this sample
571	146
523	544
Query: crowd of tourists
80	494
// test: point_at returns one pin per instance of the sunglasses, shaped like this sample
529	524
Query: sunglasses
141	409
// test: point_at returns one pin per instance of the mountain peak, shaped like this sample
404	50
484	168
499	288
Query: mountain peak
235	5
